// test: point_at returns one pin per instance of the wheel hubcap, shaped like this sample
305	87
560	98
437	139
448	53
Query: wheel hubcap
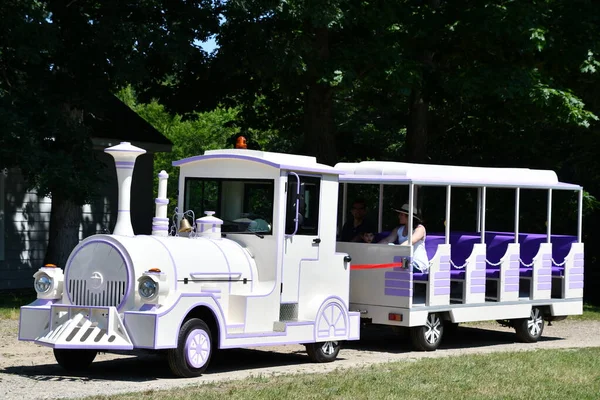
432	329
197	348
534	324
328	348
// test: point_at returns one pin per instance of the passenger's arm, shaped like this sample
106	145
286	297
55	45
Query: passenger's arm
417	235
391	238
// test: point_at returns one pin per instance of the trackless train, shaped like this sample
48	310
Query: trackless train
262	265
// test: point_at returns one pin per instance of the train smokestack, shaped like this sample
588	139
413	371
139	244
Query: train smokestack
124	155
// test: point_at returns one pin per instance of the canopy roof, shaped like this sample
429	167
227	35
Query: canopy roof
386	172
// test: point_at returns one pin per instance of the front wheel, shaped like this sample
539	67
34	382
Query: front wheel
74	360
529	330
428	337
323	352
194	349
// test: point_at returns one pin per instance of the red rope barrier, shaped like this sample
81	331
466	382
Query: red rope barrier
375	266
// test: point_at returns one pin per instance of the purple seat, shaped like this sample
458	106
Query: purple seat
431	244
492	273
457	273
526	272
420	276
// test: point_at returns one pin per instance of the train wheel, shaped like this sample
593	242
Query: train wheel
74	360
529	330
323	352
429	336
194	349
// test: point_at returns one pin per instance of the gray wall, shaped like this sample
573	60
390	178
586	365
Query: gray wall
26	218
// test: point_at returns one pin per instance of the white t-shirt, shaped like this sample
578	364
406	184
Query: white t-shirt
419	253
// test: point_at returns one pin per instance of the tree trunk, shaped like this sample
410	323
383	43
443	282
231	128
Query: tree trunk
416	133
65	218
319	135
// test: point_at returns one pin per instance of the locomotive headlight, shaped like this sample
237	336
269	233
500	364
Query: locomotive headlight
148	287
43	283
153	286
48	282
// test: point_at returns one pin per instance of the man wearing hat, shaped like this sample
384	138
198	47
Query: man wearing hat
400	236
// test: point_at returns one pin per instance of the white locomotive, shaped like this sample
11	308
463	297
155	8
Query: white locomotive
265	272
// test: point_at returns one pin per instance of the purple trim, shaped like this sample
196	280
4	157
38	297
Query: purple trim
160	228
196	354
511	288
125	163
91	347
441	291
544	286
397	275
209	290
148	307
159	219
175	278
478	281
161	201
576	278
163	175
317	169
544	279
398	292
33	306
130	168
576	271
477	289
124	257
512	280
511	272
40	303
575	285
477	274
398	284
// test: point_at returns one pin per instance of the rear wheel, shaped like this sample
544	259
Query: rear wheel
194	349
529	330
74	360
323	352
429	336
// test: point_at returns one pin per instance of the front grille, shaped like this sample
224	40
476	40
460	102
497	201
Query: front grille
98	274
111	295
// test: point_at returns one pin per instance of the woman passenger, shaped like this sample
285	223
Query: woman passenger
420	260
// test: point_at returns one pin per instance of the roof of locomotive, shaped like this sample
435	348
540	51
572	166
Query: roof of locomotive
281	161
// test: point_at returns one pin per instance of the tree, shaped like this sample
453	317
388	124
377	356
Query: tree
56	59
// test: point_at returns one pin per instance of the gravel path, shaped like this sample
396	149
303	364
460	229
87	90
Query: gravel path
28	371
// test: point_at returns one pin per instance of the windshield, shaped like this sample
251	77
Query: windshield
244	205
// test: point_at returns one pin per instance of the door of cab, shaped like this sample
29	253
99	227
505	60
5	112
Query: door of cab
301	242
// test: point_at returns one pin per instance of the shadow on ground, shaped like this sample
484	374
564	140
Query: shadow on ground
149	367
397	340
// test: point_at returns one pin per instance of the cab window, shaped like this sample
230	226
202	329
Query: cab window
244	205
308	205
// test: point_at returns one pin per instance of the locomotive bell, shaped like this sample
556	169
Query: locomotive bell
185	226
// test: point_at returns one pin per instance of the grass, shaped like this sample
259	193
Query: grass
590	313
10	301
548	374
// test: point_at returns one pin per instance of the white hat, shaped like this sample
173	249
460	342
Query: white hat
404	210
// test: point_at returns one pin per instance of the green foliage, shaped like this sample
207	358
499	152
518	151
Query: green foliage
59	59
